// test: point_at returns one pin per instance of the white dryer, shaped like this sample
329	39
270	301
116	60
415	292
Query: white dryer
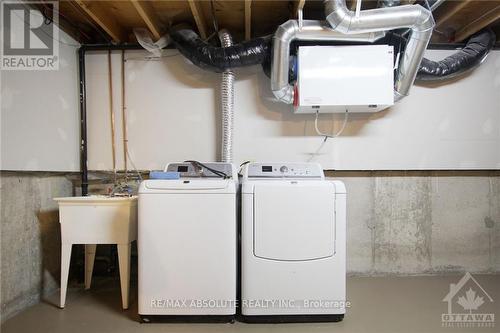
187	244
293	244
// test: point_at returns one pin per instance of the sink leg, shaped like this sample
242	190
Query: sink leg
65	260
89	263
124	263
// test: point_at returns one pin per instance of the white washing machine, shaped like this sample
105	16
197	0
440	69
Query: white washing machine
293	244
187	244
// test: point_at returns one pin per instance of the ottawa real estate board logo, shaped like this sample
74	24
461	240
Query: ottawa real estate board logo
469	305
30	35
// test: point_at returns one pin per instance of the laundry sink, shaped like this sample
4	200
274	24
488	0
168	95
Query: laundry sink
98	219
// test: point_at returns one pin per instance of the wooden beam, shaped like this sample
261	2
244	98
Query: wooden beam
197	12
149	16
75	33
103	19
478	24
450	12
248	19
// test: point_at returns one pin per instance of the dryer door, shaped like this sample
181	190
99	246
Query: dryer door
294	220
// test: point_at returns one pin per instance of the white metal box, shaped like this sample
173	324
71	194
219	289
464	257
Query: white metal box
187	246
344	78
293	243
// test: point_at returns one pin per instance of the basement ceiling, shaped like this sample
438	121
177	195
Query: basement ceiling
104	21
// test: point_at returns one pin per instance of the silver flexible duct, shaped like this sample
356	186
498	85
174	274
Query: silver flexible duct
227	100
311	30
415	17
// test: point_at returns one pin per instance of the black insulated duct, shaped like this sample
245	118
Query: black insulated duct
258	51
462	61
219	59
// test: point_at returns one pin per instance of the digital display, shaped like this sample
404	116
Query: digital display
182	168
267	168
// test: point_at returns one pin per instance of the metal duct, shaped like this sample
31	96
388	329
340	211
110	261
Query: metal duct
415	17
310	30
227	100
388	3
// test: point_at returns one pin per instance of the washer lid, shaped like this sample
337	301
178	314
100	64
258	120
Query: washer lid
294	221
188	185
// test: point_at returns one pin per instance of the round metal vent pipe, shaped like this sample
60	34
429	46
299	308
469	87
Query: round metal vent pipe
415	17
227	101
310	30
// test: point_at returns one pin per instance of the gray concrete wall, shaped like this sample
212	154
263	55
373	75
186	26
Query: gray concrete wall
422	222
399	223
30	238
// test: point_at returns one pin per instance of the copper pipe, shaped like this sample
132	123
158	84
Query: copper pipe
124	118
111	113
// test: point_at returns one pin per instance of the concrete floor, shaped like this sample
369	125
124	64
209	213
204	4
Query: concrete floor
379	304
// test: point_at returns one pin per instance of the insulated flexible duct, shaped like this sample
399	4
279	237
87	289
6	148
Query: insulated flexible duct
415	17
227	100
462	61
218	59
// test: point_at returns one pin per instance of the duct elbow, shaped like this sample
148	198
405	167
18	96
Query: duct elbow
338	15
286	32
284	94
425	20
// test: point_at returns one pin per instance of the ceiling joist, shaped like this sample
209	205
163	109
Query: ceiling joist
93	21
150	18
248	19
199	19
452	10
478	24
103	20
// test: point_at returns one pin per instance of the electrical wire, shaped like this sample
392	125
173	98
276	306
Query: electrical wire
327	136
244	163
241	166
133	165
313	155
214	18
221	174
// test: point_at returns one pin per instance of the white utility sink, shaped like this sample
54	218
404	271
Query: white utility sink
93	220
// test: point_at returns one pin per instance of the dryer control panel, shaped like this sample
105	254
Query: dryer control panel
284	170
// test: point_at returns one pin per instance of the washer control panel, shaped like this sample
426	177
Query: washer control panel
284	170
193	170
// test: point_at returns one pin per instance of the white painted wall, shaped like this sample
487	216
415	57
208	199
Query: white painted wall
173	115
40	115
